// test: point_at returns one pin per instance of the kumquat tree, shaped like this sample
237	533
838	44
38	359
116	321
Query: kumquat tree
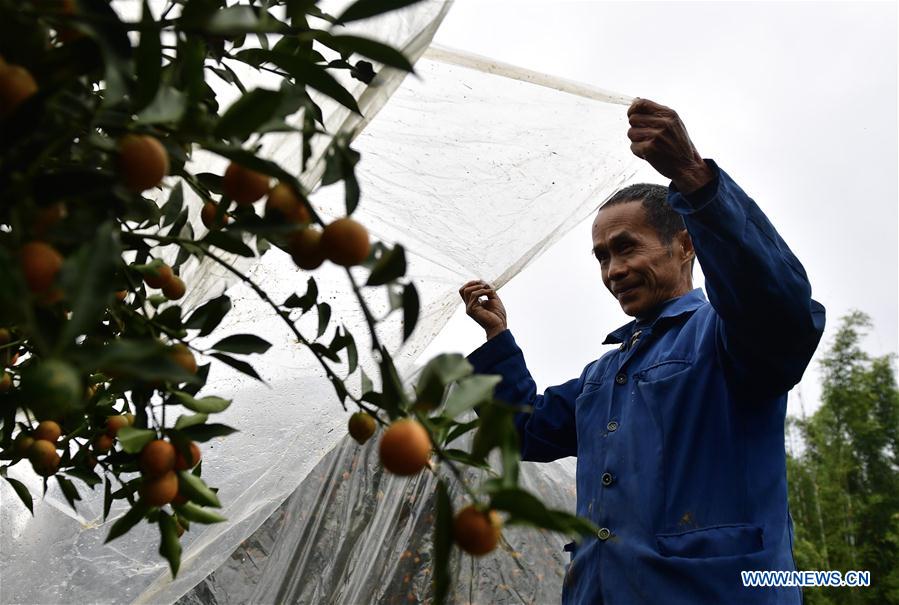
102	383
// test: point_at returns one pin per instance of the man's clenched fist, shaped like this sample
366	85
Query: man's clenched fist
658	136
490	314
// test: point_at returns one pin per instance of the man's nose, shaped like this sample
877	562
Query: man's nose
617	270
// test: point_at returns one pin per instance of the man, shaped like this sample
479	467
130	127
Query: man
679	429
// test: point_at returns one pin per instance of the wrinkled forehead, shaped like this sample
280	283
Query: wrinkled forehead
619	218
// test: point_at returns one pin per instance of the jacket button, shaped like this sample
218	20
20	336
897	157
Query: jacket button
604	533
635	337
612	426
622	346
621	378
607	479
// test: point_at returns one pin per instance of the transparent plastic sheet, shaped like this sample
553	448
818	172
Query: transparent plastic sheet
475	174
353	533
410	30
349	533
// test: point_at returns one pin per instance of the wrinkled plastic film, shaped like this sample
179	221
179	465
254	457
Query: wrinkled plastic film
476	174
353	533
322	546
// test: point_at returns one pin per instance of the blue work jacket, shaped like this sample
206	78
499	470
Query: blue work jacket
679	430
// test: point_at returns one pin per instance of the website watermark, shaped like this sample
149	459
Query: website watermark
810	579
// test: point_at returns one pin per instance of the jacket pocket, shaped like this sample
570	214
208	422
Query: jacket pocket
714	541
663	370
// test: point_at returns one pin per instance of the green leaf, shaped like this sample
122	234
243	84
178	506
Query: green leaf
178	226
443	544
69	491
365	382
170	317
133	440
495	420
211	181
362	9
250	160
90	478
205	432
340	388
22	492
248	113
465	458
243	344
394	396
351	189
229	242
234	20
526	509
147	60
305	302
410	310
110	34
185	421
372	49
107	497
172	208
352	355
167	107
198	514
86	277
389	267
460	429
437	374
511	457
126	522
237	364
314	76
209	315
195	490
206	405
469	392
324	316
169	544
323	351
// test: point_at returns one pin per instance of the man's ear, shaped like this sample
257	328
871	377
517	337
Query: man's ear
684	247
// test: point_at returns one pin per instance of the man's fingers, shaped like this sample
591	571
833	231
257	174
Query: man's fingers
479	292
642	120
642	134
645	106
641	148
470	283
475	283
471	298
476	290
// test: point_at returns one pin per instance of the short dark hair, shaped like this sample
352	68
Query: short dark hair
654	199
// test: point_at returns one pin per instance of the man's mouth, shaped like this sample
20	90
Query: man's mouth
624	291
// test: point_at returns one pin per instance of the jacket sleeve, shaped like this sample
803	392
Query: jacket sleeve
548	432
768	325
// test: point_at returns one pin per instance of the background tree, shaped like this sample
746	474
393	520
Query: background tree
844	480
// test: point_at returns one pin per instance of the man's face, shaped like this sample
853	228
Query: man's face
637	267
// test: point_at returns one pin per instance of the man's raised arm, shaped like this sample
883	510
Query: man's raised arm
769	324
548	432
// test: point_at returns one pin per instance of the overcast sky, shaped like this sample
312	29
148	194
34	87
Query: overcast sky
796	101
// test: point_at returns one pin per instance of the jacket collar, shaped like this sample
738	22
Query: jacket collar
675	307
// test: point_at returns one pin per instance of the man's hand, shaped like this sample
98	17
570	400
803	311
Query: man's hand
658	136
489	314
